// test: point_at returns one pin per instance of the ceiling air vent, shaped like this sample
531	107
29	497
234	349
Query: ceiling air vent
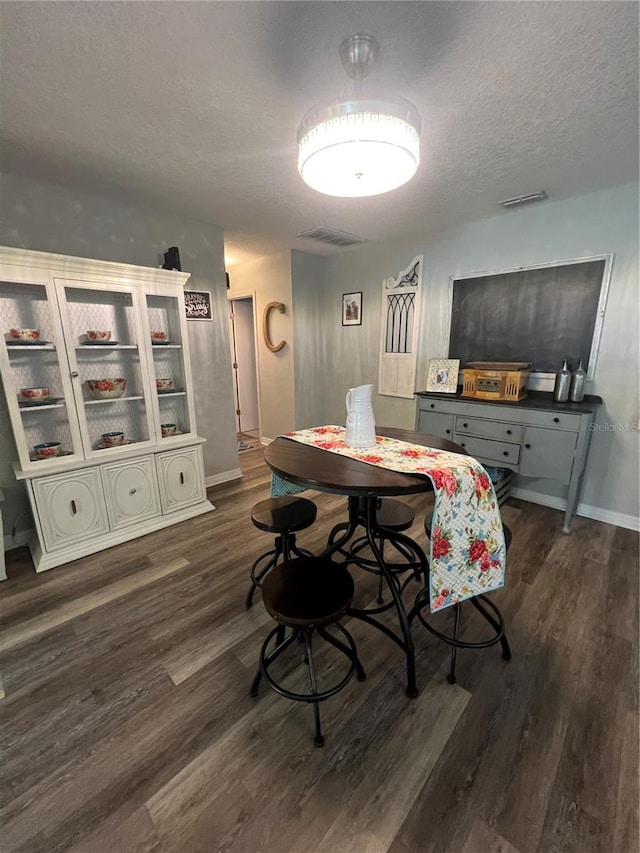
332	236
524	199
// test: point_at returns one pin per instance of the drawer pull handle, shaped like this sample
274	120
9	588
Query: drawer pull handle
505	452
462	444
433	405
508	432
74	508
465	425
448	432
556	420
132	491
528	446
181	478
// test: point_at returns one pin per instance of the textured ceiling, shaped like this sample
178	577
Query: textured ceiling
196	106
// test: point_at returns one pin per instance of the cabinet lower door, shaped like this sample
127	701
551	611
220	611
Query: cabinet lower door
181	477
131	491
548	453
71	507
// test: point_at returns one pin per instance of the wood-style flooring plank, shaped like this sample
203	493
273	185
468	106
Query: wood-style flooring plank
127	725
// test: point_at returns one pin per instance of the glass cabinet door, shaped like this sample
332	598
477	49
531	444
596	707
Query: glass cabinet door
108	365
171	370
36	375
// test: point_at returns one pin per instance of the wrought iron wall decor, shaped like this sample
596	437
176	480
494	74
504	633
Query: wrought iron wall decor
399	338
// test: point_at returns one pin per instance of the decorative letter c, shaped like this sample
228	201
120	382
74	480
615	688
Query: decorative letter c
265	325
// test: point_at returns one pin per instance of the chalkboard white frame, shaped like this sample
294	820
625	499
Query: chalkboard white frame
602	304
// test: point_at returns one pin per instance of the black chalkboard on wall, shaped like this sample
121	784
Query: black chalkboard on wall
540	315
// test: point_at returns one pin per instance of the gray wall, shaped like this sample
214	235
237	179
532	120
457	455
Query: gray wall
50	218
307	280
333	358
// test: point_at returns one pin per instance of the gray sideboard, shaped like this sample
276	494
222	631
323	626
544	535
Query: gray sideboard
535	437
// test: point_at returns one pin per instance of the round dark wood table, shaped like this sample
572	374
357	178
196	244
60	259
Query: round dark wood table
314	468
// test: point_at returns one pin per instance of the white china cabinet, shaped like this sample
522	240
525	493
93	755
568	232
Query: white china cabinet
94	494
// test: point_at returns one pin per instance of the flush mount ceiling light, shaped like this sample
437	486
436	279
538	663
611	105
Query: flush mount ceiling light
359	147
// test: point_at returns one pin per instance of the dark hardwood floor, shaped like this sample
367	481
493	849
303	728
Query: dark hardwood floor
127	726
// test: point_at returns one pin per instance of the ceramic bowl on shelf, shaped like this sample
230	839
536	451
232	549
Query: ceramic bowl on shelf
35	393
158	337
164	384
112	439
24	334
106	389
98	335
168	429
47	449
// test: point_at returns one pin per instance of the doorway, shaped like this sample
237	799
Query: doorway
242	337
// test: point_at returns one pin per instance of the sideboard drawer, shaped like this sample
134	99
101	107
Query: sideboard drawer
434	405
556	420
434	423
489	429
496	451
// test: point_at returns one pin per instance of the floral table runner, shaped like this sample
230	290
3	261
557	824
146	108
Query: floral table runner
467	551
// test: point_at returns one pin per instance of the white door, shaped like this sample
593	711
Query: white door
243	359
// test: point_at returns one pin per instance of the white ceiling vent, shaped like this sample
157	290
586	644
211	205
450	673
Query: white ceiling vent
516	201
332	236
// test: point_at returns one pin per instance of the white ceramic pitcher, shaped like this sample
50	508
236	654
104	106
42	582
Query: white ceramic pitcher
361	427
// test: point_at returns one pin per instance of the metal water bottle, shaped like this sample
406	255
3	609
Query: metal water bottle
563	383
576	394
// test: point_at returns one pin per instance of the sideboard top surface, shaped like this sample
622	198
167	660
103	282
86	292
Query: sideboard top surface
541	400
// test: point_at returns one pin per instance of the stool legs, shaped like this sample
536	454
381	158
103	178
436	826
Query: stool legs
284	546
451	677
315	696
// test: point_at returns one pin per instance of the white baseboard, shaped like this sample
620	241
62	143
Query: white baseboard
224	477
630	522
22	537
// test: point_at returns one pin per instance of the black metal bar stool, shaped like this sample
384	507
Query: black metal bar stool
283	516
306	595
392	518
482	604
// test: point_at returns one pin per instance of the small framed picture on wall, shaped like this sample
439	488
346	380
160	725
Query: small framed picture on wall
352	309
442	375
197	305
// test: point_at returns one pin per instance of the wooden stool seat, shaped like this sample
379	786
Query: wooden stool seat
313	592
307	595
282	515
394	515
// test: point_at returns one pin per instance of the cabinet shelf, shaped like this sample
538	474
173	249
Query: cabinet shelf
103	347
160	347
171	394
58	405
33	348
113	400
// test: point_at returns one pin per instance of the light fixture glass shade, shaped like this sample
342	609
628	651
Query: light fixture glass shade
359	148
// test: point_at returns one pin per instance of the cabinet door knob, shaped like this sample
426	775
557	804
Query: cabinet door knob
74	374
433	405
505	452
508	432
528	446
132	491
556	420
465	425
448	432
462	444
